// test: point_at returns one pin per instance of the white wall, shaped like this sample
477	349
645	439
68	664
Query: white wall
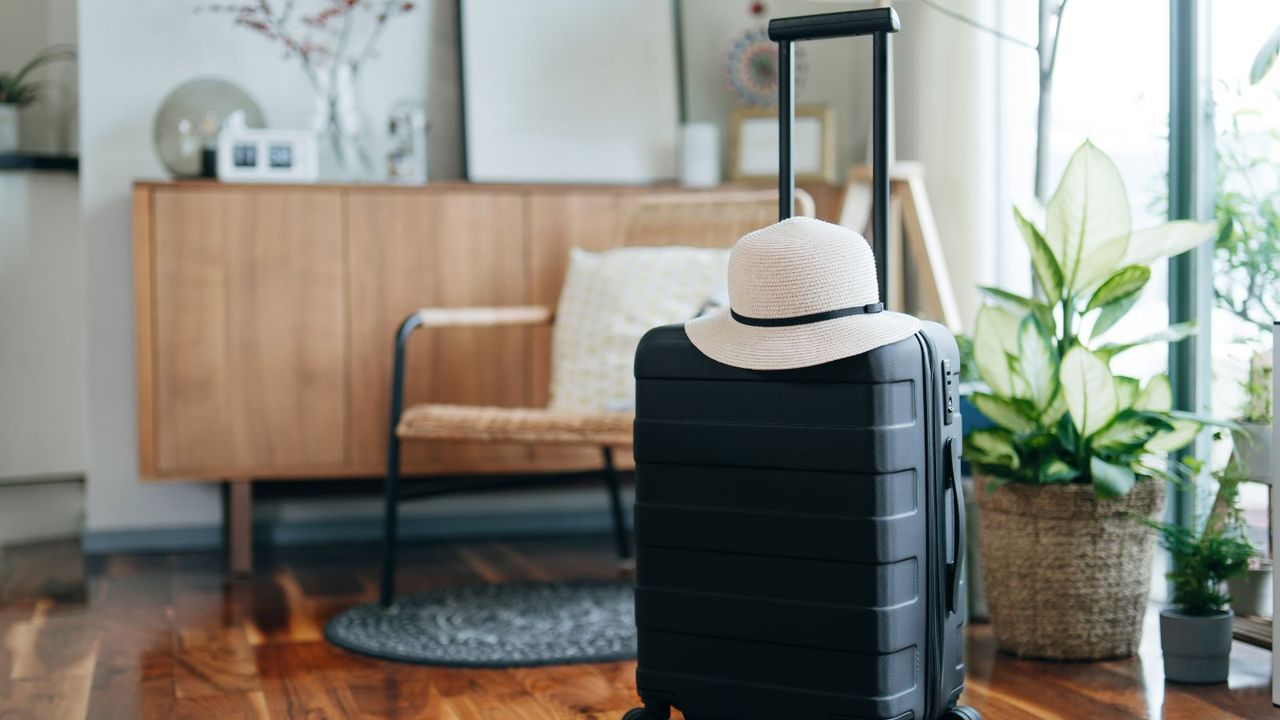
132	53
947	117
838	72
41	341
41	273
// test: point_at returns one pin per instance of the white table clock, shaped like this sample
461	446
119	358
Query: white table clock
253	155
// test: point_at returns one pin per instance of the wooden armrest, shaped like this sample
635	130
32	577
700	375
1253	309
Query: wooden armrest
484	316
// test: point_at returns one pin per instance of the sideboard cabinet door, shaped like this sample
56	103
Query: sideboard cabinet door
249	331
448	248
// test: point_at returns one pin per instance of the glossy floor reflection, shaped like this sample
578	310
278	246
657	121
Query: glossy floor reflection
166	636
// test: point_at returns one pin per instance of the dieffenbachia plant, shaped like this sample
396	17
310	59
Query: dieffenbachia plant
1061	415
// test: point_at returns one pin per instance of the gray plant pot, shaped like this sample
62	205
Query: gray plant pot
1252	451
1251	593
1197	649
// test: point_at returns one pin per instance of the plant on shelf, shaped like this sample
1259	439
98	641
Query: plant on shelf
1195	634
18	89
1075	445
1247	273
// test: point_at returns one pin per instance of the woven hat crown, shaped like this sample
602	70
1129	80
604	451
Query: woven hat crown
801	266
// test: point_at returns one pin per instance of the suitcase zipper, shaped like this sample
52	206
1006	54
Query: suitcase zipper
934	607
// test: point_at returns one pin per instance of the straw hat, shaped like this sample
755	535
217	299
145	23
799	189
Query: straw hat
801	292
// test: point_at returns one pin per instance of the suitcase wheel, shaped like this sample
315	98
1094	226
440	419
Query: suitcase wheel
962	712
648	713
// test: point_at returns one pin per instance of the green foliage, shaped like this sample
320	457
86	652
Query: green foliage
1257	390
1060	414
1266	57
15	89
1203	561
1247	210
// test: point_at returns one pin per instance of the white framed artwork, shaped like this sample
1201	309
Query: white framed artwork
562	91
753	144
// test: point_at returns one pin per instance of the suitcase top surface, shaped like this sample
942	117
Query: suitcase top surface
666	352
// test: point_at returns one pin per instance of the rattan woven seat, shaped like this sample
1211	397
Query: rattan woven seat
534	426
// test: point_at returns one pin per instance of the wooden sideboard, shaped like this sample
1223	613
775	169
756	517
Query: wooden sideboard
265	317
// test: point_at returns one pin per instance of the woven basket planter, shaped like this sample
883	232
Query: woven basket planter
1067	576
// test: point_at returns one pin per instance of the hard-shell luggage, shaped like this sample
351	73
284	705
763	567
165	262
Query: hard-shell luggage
800	532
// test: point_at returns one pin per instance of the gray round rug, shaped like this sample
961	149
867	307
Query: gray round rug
544	623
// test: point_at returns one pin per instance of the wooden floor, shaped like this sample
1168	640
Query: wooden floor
168	637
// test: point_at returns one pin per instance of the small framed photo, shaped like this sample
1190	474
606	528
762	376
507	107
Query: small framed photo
753	148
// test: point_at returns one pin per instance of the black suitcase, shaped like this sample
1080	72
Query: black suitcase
799	532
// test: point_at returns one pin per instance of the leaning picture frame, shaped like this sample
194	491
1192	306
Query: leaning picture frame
753	144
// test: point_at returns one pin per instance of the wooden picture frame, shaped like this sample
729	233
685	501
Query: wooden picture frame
753	144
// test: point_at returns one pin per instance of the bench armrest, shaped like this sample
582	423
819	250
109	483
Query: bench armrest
449	317
483	316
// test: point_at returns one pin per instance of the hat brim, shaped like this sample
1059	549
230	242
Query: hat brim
728	341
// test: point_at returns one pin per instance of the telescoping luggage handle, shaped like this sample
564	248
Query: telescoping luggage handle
878	23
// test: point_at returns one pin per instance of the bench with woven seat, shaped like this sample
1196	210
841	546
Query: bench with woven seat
712	220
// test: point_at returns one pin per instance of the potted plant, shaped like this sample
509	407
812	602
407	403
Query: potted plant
1076	450
1195	634
1251	448
1247	277
17	91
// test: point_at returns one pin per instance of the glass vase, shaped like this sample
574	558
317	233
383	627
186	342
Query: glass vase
344	143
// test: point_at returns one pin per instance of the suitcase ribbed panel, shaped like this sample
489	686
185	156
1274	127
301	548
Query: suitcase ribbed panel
854	675
830	537
785	447
781	534
791	405
806	581
758	489
818	625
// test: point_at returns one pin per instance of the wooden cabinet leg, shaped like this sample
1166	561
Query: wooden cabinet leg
239	526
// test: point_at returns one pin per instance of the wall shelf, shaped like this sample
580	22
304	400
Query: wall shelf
39	161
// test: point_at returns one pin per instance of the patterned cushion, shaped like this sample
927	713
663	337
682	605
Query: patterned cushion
609	301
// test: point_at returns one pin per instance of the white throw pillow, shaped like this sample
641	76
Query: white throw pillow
609	301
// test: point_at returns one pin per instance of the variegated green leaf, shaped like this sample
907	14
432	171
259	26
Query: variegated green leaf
1123	283
995	338
1167	240
1088	219
1173	333
991	446
1126	391
1036	360
1157	395
1112	314
1057	408
1110	480
1090	391
1003	412
1183	433
1046	267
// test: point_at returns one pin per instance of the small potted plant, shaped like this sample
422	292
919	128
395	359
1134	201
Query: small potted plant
1077	450
1251	451
1195	634
17	90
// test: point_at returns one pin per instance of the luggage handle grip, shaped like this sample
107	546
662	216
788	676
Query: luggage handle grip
851	23
957	527
877	22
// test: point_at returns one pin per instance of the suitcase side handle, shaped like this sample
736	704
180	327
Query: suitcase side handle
877	22
959	536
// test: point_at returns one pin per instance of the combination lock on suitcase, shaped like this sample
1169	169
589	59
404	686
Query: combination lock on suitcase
800	532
